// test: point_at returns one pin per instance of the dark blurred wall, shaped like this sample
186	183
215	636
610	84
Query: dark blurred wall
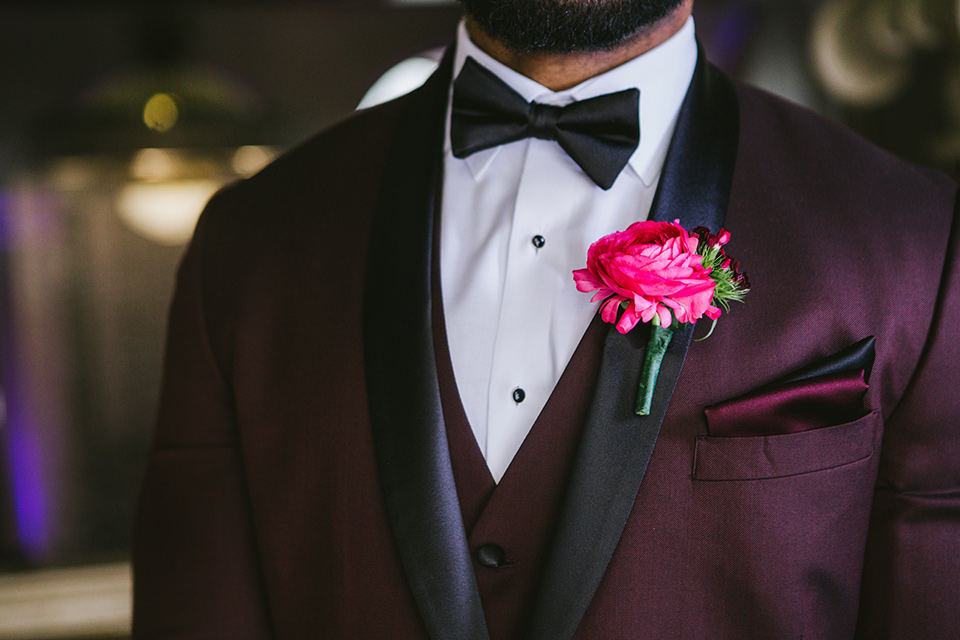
310	62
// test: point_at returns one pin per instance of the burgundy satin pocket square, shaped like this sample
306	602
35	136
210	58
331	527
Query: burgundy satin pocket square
802	405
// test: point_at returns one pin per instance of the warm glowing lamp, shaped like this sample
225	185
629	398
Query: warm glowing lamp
178	131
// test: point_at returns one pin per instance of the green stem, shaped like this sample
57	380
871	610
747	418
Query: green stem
656	348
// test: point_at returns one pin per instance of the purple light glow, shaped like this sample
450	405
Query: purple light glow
5	224
22	444
24	456
732	34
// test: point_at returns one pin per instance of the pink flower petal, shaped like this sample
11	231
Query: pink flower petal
628	321
586	280
665	316
608	310
655	269
601	294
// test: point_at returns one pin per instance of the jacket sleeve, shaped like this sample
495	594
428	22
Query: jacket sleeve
195	561
911	579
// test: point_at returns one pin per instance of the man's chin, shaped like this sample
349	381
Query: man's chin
567	26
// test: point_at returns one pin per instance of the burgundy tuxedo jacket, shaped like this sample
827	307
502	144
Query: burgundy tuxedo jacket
300	484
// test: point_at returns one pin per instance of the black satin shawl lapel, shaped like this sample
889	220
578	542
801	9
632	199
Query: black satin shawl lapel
617	444
404	401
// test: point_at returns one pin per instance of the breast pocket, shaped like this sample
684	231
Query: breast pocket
778	456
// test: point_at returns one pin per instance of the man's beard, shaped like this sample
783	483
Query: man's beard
565	26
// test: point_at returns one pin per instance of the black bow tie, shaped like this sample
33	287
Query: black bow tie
599	134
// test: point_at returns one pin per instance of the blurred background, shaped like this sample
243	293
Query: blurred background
119	119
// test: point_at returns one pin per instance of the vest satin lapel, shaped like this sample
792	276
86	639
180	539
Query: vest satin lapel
404	399
617	444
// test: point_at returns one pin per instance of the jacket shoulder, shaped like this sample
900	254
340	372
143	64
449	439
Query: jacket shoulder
802	152
299	225
335	159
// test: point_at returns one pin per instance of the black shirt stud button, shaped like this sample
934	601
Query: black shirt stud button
518	395
538	241
491	556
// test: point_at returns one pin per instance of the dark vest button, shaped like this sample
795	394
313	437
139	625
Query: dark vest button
491	556
518	395
538	241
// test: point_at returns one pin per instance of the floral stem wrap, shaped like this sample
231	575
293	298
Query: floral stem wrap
656	348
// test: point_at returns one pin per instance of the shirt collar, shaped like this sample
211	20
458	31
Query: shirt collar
662	75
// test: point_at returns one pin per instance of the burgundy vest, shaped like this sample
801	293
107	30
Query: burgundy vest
510	525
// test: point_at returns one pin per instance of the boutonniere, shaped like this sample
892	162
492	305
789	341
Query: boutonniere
660	273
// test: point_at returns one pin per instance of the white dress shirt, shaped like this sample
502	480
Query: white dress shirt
513	314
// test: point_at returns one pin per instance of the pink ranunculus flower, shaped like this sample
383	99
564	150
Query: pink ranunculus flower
655	269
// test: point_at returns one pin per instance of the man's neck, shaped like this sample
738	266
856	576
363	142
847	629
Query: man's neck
563	71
